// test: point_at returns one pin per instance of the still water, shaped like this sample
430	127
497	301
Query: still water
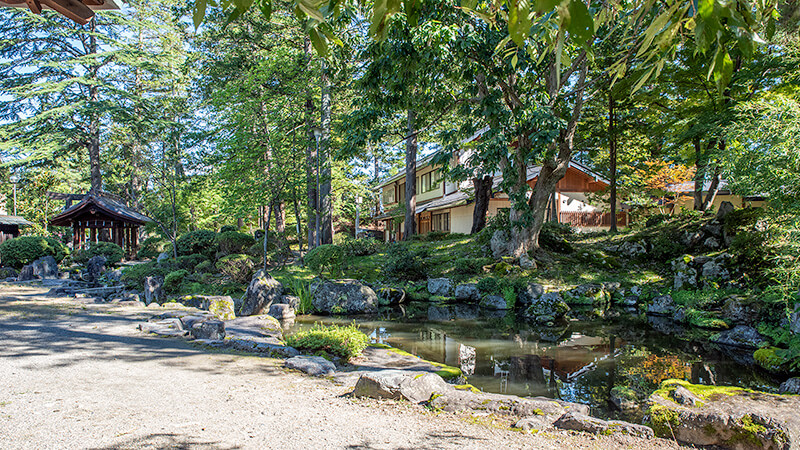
580	361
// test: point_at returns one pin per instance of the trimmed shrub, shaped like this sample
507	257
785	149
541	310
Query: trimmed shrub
470	266
24	250
204	267
173	280
489	285
238	267
360	247
346	342
151	247
133	276
231	242
405	263
196	242
553	237
227	228
326	257
112	252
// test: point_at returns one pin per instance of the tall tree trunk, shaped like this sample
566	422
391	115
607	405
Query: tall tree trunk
701	170
411	176
94	126
713	187
612	158
325	160
311	158
525	236
483	192
297	219
280	216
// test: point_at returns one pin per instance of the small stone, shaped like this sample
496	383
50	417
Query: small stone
312	365
153	291
582	422
740	336
663	305
527	263
282	312
210	329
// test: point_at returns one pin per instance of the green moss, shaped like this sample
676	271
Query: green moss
748	432
538	412
701	390
446	372
663	420
769	359
467	387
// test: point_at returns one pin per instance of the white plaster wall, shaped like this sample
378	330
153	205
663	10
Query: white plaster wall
461	219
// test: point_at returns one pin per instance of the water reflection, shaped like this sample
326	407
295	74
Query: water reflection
582	361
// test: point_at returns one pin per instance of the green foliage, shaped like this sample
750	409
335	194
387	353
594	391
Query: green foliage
173	280
656	219
133	276
489	285
406	263
771	359
343	341
24	250
238	267
510	296
112	252
188	262
227	228
470	266
302	291
553	237
151	247
325	258
230	242
204	267
197	242
360	247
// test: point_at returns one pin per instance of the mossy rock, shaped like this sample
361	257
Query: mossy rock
769	359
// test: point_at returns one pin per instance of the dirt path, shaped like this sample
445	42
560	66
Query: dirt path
82	376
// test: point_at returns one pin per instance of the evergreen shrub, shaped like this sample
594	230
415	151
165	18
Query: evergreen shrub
343	341
238	267
112	252
24	250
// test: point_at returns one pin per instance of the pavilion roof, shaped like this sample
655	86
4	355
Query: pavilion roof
113	207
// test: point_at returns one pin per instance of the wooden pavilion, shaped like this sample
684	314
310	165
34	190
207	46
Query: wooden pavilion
101	218
80	11
9	226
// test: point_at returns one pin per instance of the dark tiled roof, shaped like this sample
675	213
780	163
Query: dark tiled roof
110	206
13	220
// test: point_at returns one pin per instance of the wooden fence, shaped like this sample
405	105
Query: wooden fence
592	219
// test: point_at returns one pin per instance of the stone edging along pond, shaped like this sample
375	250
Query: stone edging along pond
728	417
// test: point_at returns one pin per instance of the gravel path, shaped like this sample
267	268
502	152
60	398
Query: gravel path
82	376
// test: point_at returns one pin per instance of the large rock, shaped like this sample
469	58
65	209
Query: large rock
547	309
581	422
725	208
663	305
790	386
499	244
794	319
530	293
42	269
291	300
588	294
463	400
209	329
442	287
343	297
740	310
312	365
728	417
632	249
262	292
495	302
685	275
281	311
153	290
467	292
741	336
221	306
391	296
95	267
415	387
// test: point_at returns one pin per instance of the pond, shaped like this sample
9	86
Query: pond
580	361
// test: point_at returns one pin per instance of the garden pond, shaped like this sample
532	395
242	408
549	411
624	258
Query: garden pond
580	361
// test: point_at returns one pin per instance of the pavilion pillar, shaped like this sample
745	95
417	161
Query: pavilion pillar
134	238
92	235
127	232
75	241
81	236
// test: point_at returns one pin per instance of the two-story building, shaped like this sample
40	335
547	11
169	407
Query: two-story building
447	206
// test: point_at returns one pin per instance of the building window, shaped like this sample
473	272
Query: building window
401	193
388	195
440	222
428	182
